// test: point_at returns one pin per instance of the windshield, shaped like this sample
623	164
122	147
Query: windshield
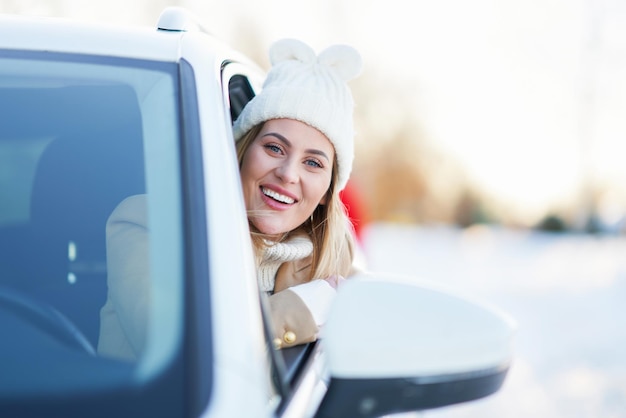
82	138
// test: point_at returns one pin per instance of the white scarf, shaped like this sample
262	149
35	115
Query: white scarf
277	253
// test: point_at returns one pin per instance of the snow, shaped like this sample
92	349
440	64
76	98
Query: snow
565	291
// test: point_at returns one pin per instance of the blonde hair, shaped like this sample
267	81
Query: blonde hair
328	227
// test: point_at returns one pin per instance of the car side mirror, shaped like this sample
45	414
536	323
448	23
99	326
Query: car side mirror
396	346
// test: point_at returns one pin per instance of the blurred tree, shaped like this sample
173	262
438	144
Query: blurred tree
469	209
552	223
395	184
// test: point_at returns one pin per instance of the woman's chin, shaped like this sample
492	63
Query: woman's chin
270	231
274	228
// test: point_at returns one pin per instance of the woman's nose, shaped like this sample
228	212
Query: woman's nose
288	171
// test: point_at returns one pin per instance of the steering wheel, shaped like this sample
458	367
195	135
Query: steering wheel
44	318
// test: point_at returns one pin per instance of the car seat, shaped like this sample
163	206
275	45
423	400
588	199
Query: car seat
81	177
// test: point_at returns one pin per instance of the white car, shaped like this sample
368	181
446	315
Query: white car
90	115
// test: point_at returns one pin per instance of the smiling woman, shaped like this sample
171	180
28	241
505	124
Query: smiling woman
295	148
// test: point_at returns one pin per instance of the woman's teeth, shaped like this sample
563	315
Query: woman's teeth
277	196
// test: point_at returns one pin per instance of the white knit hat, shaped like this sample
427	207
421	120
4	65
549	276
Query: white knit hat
311	89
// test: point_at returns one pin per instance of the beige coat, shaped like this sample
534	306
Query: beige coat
290	315
291	320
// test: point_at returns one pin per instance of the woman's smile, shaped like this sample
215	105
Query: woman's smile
275	196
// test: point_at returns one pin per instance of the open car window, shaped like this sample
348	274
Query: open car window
289	365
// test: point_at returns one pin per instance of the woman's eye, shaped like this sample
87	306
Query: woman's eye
313	163
273	148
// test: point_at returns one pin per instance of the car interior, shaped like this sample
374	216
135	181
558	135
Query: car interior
71	154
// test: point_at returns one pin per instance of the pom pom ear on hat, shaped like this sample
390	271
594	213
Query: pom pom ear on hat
291	50
312	89
343	59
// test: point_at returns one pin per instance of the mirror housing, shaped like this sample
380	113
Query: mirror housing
396	346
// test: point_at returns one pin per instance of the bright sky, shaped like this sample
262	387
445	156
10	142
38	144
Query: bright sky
529	96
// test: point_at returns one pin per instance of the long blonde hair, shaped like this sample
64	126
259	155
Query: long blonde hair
328	227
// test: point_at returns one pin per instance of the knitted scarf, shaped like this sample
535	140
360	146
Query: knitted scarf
277	253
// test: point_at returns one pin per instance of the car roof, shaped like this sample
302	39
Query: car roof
28	33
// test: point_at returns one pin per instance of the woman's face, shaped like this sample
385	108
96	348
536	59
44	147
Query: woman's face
285	174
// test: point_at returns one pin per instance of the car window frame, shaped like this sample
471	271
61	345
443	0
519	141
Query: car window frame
197	329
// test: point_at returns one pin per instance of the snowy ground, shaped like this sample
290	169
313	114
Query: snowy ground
566	292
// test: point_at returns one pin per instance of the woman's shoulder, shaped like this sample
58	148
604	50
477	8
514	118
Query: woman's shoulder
131	209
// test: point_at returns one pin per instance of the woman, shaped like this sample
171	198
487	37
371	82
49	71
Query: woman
295	150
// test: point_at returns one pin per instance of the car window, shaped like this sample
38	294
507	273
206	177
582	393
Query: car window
80	135
240	92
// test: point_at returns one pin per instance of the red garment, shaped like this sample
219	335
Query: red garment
355	207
